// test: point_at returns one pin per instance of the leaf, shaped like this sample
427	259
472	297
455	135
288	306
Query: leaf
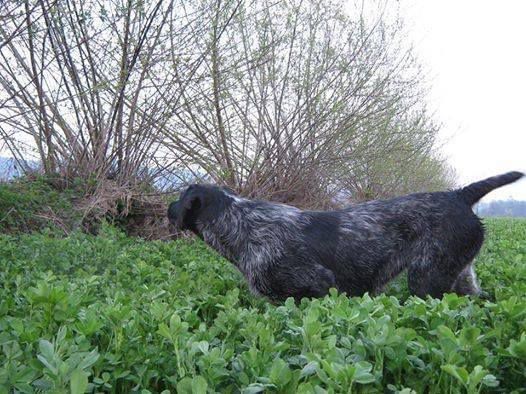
90	359
280	373
47	349
254	388
470	334
446	332
47	364
490	381
185	386
203	347
164	331
43	384
476	376
78	382
309	369
61	334
457	372
319	390
175	321
199	385
363	376
518	349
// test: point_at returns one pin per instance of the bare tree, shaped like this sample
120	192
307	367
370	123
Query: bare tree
293	100
297	101
86	83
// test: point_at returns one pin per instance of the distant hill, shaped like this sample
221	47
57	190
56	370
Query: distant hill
509	208
9	169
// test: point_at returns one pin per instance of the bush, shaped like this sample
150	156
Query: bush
34	204
115	314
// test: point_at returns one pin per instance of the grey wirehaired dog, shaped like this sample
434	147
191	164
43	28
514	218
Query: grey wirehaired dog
287	252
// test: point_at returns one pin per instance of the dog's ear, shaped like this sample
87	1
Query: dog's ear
189	208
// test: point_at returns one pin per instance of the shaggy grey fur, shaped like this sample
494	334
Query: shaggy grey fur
286	252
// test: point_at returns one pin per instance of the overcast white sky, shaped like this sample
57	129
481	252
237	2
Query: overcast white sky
475	52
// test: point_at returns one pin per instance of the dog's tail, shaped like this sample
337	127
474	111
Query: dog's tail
474	192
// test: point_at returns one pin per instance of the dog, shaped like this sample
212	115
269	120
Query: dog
286	252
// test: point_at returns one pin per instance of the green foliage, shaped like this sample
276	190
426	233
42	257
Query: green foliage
60	206
34	205
115	314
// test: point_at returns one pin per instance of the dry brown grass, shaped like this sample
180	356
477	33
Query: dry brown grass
129	207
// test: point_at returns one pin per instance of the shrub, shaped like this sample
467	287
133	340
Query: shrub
54	204
34	204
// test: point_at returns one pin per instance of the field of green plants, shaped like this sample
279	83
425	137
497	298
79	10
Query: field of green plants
116	314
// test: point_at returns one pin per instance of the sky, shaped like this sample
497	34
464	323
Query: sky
474	53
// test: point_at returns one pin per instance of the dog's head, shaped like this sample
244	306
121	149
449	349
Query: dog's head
199	203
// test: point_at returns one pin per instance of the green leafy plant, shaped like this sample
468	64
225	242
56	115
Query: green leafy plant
116	314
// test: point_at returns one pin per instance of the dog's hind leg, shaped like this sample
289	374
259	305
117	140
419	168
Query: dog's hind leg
446	266
433	272
429	279
444	275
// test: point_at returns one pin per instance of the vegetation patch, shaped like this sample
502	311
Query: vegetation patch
116	314
35	204
60	206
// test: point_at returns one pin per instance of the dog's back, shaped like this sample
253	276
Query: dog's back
434	235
